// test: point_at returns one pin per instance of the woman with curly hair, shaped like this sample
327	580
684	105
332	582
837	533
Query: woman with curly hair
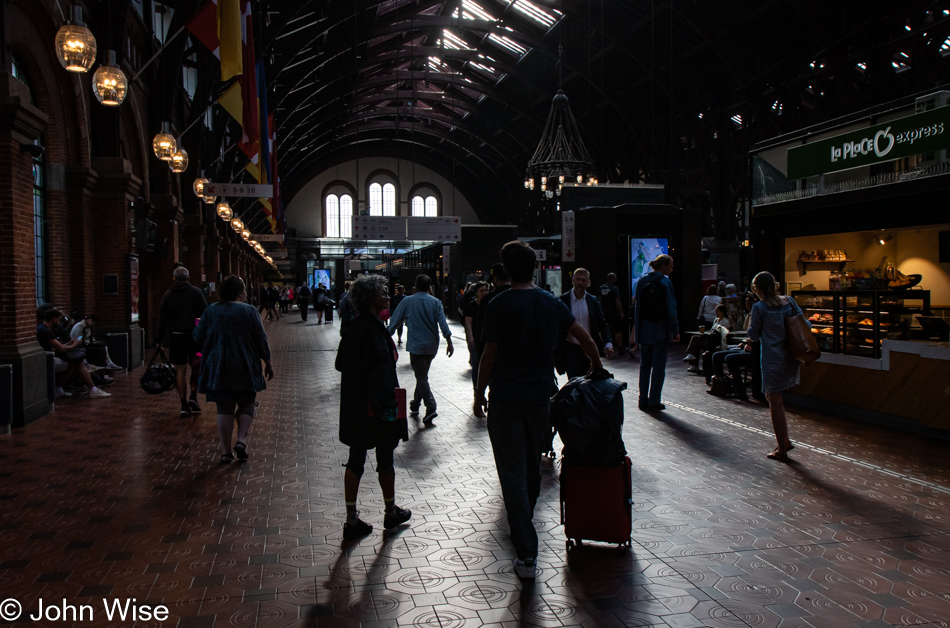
366	359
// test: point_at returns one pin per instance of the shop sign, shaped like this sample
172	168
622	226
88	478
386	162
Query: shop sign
921	133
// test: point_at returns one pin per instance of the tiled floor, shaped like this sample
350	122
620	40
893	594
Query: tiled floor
120	498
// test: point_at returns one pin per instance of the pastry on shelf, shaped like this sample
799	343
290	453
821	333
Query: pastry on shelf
815	317
867	322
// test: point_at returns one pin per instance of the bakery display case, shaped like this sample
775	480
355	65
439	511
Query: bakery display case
856	322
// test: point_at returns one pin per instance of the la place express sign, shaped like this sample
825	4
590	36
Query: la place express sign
913	135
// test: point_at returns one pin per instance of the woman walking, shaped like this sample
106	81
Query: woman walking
368	418
233	344
780	371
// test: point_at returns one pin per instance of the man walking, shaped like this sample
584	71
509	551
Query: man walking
613	308
303	300
588	313
655	325
521	329
181	305
424	315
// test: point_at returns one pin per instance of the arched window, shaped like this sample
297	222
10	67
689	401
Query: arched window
389	200
428	206
346	216
339	215
375	199
332	212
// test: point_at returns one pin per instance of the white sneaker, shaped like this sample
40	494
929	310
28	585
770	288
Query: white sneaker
98	393
62	393
689	356
692	369
112	366
526	569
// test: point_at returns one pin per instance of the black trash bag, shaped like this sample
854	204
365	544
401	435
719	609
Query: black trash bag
588	414
159	377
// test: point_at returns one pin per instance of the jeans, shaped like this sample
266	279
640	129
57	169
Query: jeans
473	358
519	434
304	305
652	371
420	366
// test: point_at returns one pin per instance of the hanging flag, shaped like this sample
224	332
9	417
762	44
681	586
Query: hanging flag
251	121
231	101
204	26
230	27
264	134
280	227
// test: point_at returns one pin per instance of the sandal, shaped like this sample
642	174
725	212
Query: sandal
781	456
227	458
241	450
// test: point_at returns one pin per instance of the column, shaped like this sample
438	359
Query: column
20	123
115	287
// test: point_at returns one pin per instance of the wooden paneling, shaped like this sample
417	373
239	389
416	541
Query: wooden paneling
915	388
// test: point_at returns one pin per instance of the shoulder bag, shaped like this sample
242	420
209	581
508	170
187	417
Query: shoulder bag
801	342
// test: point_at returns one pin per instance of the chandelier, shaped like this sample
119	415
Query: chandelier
561	156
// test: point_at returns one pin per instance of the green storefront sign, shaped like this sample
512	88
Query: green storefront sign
913	135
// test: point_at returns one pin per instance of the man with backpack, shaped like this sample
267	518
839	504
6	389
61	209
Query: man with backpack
655	326
303	300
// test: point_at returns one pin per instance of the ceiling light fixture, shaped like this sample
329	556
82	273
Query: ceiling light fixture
109	82
75	44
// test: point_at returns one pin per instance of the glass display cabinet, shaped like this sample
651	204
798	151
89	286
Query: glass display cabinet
856	322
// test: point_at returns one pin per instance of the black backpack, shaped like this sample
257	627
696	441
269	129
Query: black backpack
653	301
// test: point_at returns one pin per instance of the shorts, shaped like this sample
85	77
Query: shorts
60	365
182	348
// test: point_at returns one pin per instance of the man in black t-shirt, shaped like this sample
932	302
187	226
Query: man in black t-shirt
521	329
613	308
473	327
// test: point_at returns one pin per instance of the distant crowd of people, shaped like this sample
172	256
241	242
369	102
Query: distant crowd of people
518	336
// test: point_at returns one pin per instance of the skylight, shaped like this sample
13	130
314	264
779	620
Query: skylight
901	62
945	47
451	40
777	108
508	44
736	119
862	66
471	11
534	12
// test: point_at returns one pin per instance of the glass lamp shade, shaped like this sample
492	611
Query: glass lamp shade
209	199
245	234
109	82
237	225
580	178
199	187
179	160
224	211
76	45
163	144
253	244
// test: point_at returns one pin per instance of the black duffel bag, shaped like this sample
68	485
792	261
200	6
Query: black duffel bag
159	377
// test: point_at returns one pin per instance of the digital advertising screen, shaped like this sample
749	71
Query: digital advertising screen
642	252
321	275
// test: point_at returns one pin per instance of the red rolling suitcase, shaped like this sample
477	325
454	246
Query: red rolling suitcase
596	504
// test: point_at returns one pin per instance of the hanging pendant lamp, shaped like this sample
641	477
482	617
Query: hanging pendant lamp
179	161
224	211
109	82
164	144
75	44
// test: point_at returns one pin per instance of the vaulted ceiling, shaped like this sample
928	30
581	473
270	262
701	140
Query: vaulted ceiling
671	92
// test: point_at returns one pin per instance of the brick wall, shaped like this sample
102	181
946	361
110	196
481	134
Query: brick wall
17	267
